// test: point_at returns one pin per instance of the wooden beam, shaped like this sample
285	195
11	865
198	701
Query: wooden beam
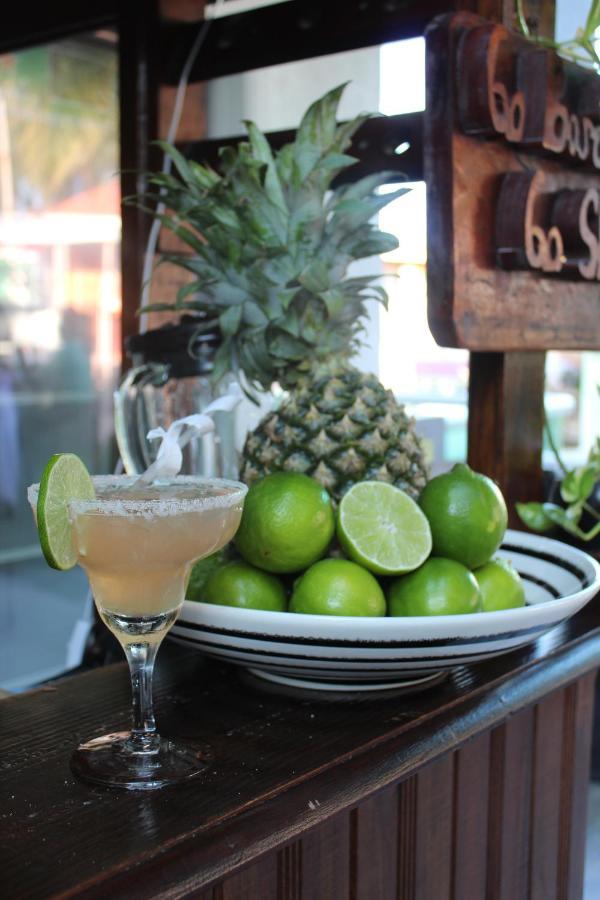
298	29
506	420
41	23
138	124
506	390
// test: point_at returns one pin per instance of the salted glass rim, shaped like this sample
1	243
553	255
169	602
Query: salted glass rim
159	506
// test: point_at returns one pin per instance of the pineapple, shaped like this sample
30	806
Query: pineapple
269	243
340	429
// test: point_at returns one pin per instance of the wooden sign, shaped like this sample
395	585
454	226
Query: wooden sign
512	165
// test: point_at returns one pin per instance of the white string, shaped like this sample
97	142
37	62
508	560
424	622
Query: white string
167	162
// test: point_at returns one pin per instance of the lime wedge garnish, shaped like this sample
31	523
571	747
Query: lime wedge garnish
64	478
382	528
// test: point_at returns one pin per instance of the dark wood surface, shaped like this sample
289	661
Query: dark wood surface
38	23
472	302
138	108
298	29
302	790
506	420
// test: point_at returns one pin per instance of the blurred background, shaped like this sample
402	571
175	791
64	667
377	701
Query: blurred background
60	296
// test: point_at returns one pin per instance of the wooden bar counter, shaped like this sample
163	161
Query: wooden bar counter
473	789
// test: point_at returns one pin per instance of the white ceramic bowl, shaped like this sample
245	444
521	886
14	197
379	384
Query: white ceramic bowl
337	653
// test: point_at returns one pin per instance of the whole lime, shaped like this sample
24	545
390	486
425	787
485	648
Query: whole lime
239	584
337	587
500	585
440	587
467	515
199	575
287	523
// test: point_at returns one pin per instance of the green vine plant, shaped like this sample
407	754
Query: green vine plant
581	49
576	488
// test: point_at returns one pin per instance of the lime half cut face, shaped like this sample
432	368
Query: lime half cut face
65	478
383	529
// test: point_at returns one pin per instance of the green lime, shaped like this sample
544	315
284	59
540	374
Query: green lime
467	515
239	584
441	587
287	523
201	569
337	587
64	478
382	528
500	585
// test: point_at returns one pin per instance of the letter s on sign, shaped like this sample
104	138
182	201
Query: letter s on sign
591	202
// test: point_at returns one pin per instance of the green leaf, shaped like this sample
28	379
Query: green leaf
262	151
535	516
229	321
334	300
180	162
315	277
346	131
337	161
253	314
365	187
374	243
317	131
593	20
286	345
186	291
156	307
579	483
223	363
226	294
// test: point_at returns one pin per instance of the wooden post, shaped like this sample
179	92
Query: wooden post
138	125
506	390
506	421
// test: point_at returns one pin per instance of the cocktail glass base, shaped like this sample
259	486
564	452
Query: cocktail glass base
111	762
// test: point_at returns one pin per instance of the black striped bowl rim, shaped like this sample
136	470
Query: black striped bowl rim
559	580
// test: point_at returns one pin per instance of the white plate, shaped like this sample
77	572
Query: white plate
367	653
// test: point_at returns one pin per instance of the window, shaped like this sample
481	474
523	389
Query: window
59	318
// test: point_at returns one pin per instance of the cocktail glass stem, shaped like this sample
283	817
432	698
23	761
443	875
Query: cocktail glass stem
141	657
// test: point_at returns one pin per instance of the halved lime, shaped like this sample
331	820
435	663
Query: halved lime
381	528
64	478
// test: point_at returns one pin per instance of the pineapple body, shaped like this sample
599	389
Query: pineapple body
339	428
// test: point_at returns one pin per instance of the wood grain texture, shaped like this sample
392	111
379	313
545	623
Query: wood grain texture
434	836
576	744
138	111
470	825
304	29
407	838
471	302
374	847
282	769
505	426
489	819
509	811
23	28
545	800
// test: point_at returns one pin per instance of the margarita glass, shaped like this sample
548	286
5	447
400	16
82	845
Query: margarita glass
137	543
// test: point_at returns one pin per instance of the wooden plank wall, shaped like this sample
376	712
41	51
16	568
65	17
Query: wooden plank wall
501	817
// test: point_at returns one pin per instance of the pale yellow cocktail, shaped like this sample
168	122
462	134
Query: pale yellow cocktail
137	545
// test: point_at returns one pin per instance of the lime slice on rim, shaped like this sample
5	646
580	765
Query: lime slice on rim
382	528
64	478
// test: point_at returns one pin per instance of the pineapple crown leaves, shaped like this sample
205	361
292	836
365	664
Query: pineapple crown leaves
269	242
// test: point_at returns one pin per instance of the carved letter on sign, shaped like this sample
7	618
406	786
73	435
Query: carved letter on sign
555	232
512	166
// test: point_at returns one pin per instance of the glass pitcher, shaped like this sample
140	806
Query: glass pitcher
170	379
